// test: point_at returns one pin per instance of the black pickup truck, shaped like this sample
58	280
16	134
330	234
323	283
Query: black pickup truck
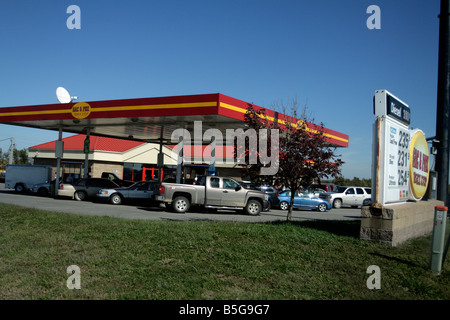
111	176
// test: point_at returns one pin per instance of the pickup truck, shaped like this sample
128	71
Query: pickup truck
347	196
212	192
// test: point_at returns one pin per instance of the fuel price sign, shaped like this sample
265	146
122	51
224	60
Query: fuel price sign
391	149
397	164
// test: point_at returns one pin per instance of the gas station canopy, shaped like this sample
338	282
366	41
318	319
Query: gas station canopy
144	119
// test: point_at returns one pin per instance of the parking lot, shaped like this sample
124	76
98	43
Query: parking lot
144	212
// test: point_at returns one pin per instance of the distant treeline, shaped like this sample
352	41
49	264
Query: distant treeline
341	181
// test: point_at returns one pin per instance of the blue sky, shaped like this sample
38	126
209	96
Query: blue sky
265	51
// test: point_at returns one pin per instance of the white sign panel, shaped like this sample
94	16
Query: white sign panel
390	177
396	162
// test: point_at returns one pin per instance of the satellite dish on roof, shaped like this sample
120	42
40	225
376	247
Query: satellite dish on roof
63	95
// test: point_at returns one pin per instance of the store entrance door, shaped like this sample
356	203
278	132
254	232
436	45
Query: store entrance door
151	174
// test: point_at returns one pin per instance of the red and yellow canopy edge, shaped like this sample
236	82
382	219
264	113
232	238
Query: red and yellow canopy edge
187	105
235	108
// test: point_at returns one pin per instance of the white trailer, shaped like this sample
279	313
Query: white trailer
23	177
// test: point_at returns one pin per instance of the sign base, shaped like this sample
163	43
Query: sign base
396	223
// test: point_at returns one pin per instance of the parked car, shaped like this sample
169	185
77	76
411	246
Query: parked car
273	194
303	201
85	188
347	196
43	189
271	191
327	187
312	191
367	202
140	191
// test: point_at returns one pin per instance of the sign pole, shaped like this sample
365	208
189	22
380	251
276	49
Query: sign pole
443	103
437	241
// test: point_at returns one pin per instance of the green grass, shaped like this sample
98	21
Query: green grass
131	259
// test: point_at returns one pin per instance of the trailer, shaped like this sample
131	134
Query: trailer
22	177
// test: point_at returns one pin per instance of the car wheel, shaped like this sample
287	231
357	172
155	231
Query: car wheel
42	192
19	188
80	195
253	207
322	207
181	204
337	203
284	205
116	199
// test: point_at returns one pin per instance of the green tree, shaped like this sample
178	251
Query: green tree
304	152
19	157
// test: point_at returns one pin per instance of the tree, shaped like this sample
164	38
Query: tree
19	157
357	182
304	152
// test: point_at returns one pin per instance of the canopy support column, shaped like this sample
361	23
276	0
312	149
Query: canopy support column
86	152
212	161
180	158
160	156
59	150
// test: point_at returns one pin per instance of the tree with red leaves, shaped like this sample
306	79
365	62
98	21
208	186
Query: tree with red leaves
304	154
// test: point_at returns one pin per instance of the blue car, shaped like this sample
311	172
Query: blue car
303	201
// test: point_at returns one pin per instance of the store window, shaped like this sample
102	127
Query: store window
132	171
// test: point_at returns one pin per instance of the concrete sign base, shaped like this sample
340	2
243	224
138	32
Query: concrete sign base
397	223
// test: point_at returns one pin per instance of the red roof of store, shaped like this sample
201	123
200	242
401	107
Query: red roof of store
76	142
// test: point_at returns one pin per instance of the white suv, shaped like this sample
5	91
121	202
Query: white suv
347	196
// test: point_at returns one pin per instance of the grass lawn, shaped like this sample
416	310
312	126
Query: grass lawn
133	259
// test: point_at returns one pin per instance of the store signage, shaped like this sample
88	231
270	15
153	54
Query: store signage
419	165
386	104
81	110
398	110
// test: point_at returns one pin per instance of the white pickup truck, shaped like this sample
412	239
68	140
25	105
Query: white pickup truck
212	192
347	196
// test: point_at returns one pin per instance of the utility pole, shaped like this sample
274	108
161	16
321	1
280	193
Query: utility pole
443	106
443	103
11	151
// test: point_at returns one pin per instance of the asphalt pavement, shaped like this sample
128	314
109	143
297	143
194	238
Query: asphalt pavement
146	212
